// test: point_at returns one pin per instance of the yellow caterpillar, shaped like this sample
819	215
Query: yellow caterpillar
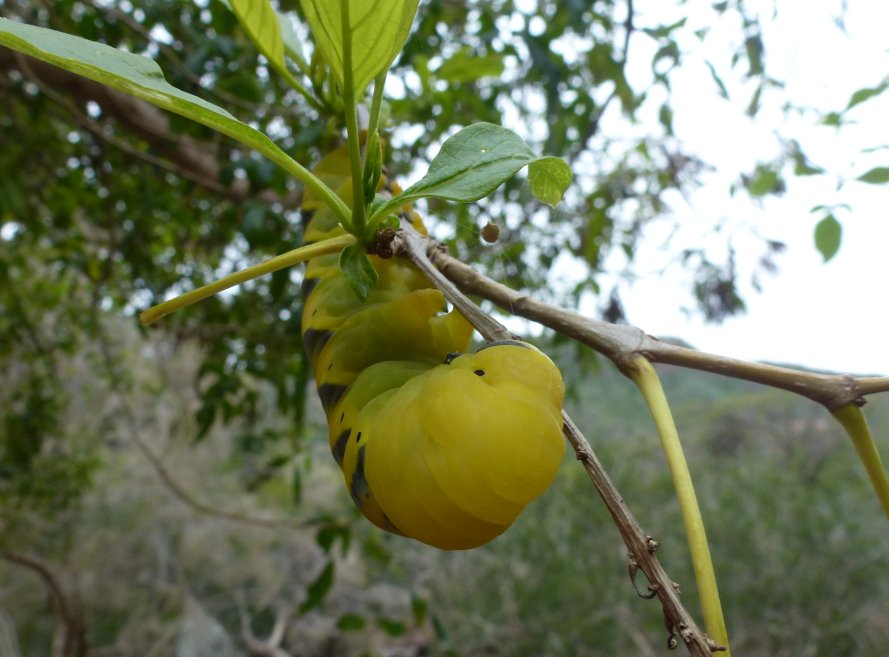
443	447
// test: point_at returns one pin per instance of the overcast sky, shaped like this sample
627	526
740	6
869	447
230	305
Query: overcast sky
832	316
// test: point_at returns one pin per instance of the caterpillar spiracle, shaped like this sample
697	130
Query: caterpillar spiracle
434	444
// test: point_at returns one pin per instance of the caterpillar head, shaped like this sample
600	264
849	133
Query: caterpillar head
518	368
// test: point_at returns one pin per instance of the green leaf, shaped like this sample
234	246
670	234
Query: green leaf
802	166
828	235
377	30
419	609
350	623
764	181
357	270
328	535
141	77
876	176
755	51
833	119
260	20
373	167
863	95
549	177
318	589
470	165
391	627
466	66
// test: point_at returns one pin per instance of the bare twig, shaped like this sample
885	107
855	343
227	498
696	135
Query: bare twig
271	647
640	545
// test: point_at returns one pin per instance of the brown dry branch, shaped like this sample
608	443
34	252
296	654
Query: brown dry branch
193	159
621	344
70	635
641	546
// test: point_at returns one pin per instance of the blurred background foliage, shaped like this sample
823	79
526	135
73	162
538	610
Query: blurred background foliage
168	490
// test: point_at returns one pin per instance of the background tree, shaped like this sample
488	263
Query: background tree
109	205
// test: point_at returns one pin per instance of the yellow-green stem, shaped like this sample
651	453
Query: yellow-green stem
377	103
282	261
351	110
853	421
646	379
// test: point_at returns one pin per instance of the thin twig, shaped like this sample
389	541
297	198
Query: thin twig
621	343
135	435
640	545
271	647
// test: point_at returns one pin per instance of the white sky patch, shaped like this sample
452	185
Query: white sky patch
831	316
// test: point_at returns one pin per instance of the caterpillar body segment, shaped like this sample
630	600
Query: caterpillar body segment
434	444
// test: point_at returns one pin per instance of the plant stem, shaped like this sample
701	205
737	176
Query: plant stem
282	261
351	110
646	379
377	103
853	421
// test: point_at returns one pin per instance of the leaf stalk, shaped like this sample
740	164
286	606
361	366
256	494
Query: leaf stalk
646	379
851	417
332	245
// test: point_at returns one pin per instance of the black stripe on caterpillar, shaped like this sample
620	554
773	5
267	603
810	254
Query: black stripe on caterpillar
434	444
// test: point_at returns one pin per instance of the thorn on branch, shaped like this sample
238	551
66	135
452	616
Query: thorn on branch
714	647
672	642
582	454
633	570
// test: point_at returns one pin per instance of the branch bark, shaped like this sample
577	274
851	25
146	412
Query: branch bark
72	640
191	158
621	343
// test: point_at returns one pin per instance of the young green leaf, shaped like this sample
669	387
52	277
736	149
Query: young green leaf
391	627
260	21
377	30
473	163
866	94
350	623
828	235
467	65
141	77
549	177
373	167
357	270
266	29
318	589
